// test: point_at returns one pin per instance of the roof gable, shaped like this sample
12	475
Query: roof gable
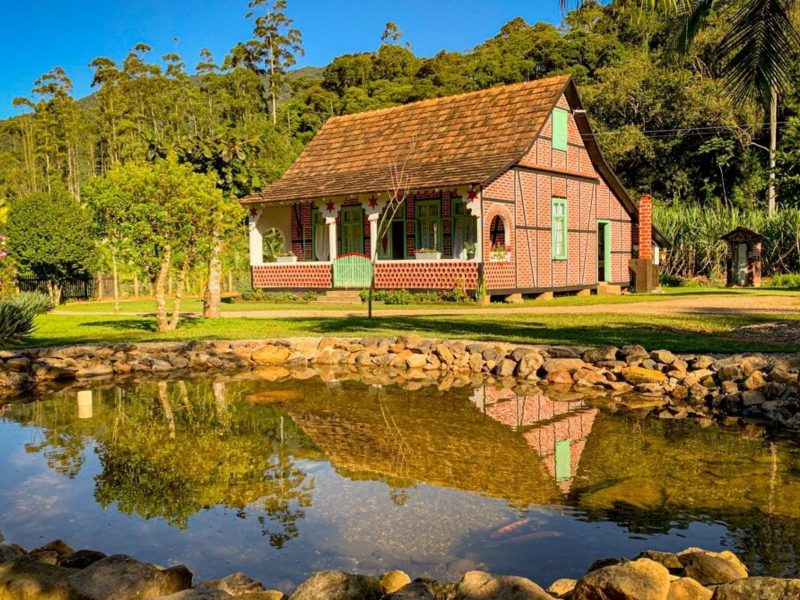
455	140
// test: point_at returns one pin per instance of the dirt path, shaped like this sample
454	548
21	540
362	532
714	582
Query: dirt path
717	304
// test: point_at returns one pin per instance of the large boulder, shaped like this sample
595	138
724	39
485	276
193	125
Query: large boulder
761	588
639	375
119	577
270	355
479	585
28	579
10	552
562	588
416	590
393	581
641	579
603	354
529	364
563	364
686	588
81	559
712	568
338	585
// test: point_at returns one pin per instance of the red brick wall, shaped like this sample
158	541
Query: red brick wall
421	274
292	276
531	191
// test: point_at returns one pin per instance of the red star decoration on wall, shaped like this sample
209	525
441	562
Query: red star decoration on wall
472	194
373	202
330	206
253	212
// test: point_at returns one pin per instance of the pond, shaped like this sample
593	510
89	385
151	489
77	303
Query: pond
282	479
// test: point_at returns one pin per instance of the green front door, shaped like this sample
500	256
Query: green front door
604	243
351	230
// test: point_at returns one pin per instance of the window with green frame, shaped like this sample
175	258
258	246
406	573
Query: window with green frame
560	119
559	217
465	229
429	224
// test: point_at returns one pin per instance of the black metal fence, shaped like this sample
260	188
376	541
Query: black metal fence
72	289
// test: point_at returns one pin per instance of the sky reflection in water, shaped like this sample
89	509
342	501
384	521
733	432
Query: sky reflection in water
280	479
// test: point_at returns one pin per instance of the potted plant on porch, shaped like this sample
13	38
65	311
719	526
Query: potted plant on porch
287	256
500	253
427	254
469	249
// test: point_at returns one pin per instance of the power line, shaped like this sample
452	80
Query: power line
684	130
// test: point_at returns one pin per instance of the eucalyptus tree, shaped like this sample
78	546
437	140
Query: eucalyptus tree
273	49
756	54
53	132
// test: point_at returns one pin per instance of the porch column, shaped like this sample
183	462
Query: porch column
373	234
256	238
331	222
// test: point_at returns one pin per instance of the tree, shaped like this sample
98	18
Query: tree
166	218
50	237
272	50
756	54
398	193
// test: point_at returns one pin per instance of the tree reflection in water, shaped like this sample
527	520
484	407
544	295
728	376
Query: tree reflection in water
170	450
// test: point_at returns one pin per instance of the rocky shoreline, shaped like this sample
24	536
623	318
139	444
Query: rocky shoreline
57	572
728	389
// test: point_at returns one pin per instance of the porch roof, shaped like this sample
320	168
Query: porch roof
443	142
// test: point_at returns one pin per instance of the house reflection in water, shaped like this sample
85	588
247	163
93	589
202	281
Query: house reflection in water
557	429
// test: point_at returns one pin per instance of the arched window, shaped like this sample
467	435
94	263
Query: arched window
497	232
273	244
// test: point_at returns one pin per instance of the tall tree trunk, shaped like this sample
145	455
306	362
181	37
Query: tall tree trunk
160	292
54	291
213	292
176	309
773	151
115	277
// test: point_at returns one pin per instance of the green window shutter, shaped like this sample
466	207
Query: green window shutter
559	228
560	129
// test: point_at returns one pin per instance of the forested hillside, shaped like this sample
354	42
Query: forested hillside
662	119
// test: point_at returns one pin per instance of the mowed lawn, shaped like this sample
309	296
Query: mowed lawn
696	332
194	305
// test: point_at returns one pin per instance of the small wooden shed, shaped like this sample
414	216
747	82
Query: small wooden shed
744	257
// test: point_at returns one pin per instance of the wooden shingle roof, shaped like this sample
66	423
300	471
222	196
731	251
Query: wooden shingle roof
455	140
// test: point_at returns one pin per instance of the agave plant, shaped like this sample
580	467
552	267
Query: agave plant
17	315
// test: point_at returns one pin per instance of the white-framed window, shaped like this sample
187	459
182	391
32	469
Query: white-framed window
560	220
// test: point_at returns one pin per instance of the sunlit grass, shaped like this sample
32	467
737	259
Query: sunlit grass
683	332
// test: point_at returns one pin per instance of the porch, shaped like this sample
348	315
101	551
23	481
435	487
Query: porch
428	241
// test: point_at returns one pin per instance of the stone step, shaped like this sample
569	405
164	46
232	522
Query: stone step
340	297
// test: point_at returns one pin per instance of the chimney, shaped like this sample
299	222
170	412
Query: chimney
646	228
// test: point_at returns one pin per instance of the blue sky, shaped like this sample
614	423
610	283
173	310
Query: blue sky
37	35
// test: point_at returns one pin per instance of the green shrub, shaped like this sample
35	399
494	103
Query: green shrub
400	297
785	280
17	314
257	295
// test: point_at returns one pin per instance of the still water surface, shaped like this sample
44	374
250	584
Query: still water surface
283	479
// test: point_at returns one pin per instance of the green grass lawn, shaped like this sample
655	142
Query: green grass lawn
685	333
194	305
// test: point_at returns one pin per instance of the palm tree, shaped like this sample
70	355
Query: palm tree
756	53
